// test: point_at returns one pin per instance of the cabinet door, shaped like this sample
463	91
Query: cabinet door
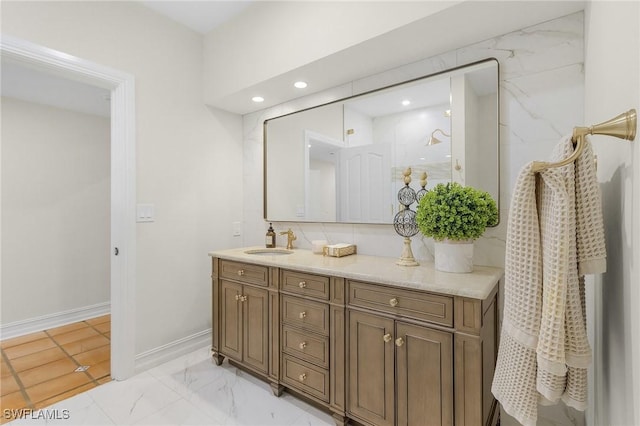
256	327
231	320
424	359
371	368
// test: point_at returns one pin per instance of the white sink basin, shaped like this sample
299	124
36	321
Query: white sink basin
268	252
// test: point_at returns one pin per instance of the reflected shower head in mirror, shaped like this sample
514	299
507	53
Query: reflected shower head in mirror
433	140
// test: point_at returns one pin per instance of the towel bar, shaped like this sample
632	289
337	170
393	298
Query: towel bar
622	126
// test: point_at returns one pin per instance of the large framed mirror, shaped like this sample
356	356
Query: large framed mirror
344	161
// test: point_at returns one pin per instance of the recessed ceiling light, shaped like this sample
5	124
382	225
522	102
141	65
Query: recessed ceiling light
300	84
406	102
257	99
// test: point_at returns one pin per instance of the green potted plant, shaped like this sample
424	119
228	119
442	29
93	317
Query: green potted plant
455	215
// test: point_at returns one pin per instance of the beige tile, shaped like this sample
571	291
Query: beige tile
12	401
29	348
99	320
67	328
61	397
103	328
75	335
8	385
84	345
104	380
37	359
23	339
47	372
4	369
100	370
57	386
94	356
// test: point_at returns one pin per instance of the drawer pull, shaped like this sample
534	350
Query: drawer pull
302	284
387	338
399	341
303	315
302	345
393	302
302	377
240	272
243	298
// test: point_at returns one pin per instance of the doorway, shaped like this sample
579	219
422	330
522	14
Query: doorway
122	191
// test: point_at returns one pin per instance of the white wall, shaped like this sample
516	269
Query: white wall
612	86
297	35
189	157
541	98
55	210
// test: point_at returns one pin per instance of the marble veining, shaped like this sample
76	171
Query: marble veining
381	270
189	390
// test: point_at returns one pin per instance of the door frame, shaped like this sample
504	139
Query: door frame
123	182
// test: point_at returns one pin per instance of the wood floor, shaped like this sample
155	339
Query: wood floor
39	369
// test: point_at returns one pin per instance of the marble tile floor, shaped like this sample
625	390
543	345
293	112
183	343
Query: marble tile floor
189	390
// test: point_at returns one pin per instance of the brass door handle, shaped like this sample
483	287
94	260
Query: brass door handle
240	272
387	337
399	341
302	284
302	345
393	302
302	377
243	298
303	315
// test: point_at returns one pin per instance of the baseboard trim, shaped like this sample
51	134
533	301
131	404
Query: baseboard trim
172	350
46	322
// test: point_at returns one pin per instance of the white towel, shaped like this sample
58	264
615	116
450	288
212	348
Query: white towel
555	235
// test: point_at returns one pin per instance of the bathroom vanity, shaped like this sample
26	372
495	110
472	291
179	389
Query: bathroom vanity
367	339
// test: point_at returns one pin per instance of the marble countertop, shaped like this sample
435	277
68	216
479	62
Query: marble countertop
382	270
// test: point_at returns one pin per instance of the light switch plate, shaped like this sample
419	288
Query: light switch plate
237	228
145	213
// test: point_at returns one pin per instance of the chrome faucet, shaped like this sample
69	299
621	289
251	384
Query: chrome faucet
290	238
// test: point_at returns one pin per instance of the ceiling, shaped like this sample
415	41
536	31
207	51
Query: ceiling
200	16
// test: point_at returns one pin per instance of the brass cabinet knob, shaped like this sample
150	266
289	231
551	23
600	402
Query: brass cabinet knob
302	345
393	302
243	298
302	377
387	337
240	272
302	284
238	297
303	315
399	341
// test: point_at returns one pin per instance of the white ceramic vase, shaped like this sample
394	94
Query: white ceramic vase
454	256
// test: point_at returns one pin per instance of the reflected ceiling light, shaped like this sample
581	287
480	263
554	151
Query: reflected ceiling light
433	140
447	113
257	99
406	102
300	84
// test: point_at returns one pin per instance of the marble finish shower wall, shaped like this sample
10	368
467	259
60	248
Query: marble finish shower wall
541	99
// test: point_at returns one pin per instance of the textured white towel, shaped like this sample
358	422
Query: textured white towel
555	235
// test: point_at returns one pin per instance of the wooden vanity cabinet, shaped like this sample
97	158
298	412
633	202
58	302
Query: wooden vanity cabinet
426	366
370	353
245	317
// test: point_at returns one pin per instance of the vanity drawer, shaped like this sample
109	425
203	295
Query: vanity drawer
306	346
305	377
306	284
408	303
245	272
305	314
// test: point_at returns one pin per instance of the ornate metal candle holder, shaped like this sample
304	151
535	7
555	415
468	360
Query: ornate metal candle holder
404	221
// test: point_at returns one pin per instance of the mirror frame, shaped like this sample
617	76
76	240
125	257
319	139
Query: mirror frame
435	74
